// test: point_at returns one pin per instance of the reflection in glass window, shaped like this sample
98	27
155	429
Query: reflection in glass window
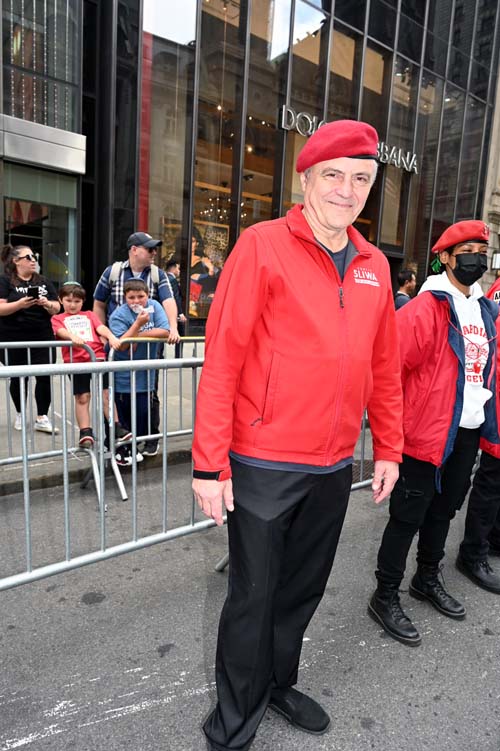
266	96
454	102
351	13
376	87
40	62
310	46
382	26
439	18
436	51
401	131
470	158
410	38
345	67
220	84
426	145
485	30
167	91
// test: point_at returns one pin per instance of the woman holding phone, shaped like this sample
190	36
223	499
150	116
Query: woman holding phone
27	302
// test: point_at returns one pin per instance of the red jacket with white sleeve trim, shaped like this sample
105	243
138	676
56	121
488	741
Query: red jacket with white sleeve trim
294	355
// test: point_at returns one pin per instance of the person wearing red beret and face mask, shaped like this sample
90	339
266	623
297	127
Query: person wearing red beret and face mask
448	362
276	424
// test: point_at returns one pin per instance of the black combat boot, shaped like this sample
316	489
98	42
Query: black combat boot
385	608
425	585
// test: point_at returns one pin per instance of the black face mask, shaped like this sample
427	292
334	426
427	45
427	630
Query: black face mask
470	267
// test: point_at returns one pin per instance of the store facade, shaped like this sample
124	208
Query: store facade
231	91
194	113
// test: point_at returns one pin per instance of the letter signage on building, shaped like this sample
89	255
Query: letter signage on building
307	124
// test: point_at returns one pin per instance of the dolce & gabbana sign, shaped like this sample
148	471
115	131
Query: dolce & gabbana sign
307	124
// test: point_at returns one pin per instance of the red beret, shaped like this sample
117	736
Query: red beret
462	232
349	138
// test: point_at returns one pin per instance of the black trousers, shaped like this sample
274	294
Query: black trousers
283	536
416	506
36	356
482	522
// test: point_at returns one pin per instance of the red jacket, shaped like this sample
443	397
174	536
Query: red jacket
433	375
293	356
494	448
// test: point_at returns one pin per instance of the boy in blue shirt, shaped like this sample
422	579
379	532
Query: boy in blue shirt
138	317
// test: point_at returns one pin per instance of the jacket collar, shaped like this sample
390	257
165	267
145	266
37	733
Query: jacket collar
298	226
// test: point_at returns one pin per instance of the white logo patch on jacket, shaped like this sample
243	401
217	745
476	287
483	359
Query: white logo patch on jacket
365	276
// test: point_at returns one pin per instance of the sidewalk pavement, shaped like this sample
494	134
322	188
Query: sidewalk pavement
120	655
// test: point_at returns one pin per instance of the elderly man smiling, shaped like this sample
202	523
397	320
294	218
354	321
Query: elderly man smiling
301	338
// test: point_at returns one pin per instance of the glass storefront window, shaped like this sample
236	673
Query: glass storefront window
470	157
308	74
41	61
345	67
167	90
479	80
270	24
458	68
444	206
376	87
220	84
310	45
410	38
426	146
485	30
40	210
382	25
439	18
414	9
436	52
351	13
397	179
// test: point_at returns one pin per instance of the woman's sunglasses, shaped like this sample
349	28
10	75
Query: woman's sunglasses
30	257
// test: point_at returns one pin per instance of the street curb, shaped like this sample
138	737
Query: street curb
54	480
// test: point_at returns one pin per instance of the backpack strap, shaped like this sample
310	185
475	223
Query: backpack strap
155	274
115	272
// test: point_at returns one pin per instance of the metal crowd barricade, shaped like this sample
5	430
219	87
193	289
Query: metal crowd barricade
67	443
107	546
94	537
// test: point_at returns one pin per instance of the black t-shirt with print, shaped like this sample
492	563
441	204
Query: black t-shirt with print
28	324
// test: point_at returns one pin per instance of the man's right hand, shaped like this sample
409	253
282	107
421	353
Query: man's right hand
211	494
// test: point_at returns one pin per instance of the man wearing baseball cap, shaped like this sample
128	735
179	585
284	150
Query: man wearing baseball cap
292	360
108	295
448	362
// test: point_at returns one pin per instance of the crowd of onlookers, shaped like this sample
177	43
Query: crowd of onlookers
133	300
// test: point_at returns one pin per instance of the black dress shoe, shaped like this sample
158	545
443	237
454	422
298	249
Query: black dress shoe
481	573
425	585
300	710
385	609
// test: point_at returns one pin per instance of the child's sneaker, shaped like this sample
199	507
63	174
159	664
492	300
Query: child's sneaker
86	438
18	423
121	434
123	457
44	425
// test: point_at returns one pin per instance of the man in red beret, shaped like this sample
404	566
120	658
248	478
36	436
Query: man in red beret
278	416
448	361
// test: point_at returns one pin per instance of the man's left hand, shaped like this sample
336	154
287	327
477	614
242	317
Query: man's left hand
384	479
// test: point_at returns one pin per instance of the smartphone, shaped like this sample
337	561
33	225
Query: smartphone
34	292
